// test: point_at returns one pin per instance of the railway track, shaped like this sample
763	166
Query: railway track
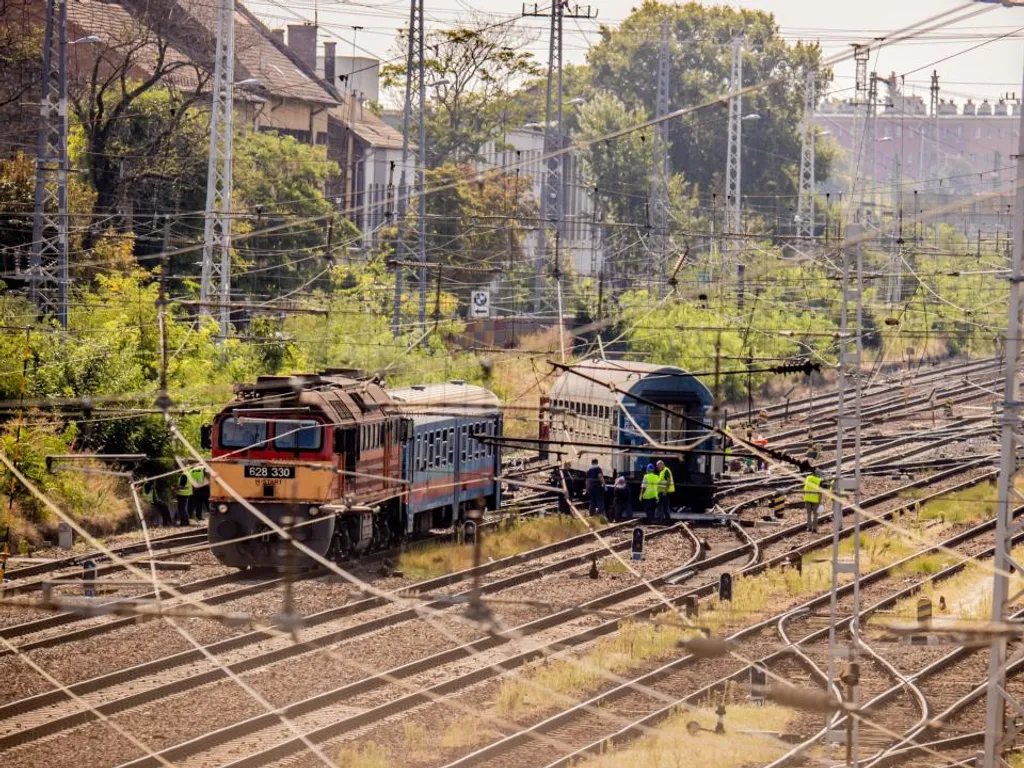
595	729
322	717
49	712
411	671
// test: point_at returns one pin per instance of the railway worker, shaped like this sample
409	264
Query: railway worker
666	487
812	499
200	500
595	488
622	506
649	493
183	494
155	506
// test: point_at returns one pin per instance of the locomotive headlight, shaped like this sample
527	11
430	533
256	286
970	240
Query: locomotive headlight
313	511
222	508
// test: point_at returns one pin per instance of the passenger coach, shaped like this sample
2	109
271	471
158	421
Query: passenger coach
599	409
450	462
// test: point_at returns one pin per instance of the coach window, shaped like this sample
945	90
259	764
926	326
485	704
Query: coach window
462	442
449	447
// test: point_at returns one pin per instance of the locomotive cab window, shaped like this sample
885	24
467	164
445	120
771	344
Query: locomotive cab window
305	435
242	433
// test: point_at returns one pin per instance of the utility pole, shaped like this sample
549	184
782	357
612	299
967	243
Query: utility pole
413	74
552	187
733	220
849	375
216	276
659	167
936	144
48	260
805	203
934	105
871	139
860	98
1000	732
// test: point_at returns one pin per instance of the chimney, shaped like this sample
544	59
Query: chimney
302	41
330	62
278	34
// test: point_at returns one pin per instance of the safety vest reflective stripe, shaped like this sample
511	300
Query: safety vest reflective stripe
668	483
651	488
812	489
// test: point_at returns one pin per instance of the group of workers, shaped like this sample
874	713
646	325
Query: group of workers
656	489
191	492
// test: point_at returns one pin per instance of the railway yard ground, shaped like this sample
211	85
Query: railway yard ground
546	642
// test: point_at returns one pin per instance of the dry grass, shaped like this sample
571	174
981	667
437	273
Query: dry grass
547	684
968	594
613	565
673	747
430	560
520	381
466	732
368	755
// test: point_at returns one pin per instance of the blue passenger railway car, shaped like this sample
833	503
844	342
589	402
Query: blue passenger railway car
605	411
349	465
451	461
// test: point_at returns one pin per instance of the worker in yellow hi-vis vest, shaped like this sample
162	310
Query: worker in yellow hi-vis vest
649	488
812	499
183	493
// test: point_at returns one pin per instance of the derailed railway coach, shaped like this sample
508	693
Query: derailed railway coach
346	465
629	414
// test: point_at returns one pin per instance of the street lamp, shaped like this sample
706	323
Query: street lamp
249	84
750	118
884	139
87	40
579	101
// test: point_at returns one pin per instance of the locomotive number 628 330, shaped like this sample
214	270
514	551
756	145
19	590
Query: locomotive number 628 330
264	471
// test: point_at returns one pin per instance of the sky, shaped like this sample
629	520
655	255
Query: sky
992	69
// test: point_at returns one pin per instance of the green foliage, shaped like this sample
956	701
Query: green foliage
620	169
467	227
278	180
478	64
624	61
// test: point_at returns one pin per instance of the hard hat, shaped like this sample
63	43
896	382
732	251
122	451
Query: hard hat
650	467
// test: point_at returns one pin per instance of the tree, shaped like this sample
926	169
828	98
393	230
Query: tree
475	224
21	40
278	179
477	67
619	169
625	59
127	128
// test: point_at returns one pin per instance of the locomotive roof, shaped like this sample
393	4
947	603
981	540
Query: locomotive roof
658	382
453	397
337	396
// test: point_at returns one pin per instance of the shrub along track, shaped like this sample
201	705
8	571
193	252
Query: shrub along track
349	709
591	727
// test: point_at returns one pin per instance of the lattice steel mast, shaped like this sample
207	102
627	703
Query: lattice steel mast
734	153
216	277
48	261
552	187
1000	733
660	164
805	202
